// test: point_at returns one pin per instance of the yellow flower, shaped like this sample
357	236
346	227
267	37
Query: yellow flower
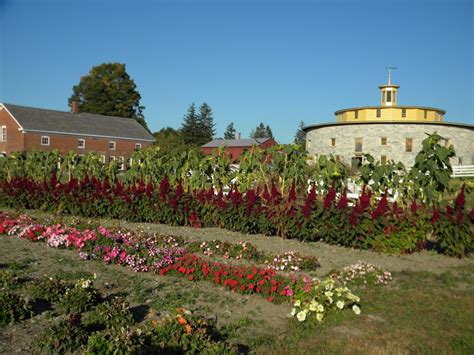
340	304
297	303
301	316
356	309
319	316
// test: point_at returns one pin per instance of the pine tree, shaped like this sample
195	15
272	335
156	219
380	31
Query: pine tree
261	132
230	131
300	135
189	130
268	132
205	124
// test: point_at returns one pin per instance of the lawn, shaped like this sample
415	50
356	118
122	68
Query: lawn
427	307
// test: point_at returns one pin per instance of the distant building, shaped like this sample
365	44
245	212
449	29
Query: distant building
388	132
235	147
27	128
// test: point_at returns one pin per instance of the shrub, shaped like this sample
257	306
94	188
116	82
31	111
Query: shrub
79	298
13	308
49	289
67	335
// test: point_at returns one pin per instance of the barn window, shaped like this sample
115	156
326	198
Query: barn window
138	146
45	140
112	145
81	143
4	134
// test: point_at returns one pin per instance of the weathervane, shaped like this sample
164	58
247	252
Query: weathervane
389	73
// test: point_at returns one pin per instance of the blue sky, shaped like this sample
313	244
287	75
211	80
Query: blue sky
276	62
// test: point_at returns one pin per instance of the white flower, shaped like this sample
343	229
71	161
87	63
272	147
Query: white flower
319	317
293	311
356	309
340	304
313	306
301	316
328	294
297	303
320	308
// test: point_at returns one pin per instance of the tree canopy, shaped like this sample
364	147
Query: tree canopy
169	140
198	127
109	90
261	131
300	135
230	131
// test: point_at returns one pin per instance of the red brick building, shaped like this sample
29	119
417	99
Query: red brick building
26	128
235	147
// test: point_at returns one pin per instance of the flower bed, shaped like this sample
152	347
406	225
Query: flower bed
368	224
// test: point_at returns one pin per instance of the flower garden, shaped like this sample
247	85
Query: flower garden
84	317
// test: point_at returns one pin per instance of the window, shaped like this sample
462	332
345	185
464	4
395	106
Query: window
409	145
103	158
112	145
122	163
81	143
425	114
129	162
358	145
44	140
460	161
4	134
389	96
383	159
404	112
111	158
383	141
333	142
338	158
138	146
356	114
378	113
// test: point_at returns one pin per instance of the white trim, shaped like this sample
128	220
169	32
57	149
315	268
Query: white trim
84	143
14	119
6	134
49	141
115	145
139	146
103	158
86	135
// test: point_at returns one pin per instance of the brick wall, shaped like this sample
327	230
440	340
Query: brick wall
14	141
66	143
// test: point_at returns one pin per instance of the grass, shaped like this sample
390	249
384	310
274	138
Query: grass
418	312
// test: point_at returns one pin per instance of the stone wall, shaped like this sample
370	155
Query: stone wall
319	140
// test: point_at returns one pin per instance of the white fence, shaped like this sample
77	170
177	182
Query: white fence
463	171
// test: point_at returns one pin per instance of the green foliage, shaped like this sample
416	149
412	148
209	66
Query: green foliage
261	131
112	315
109	90
300	135
49	289
80	298
67	335
230	131
206	124
431	172
327	171
12	308
169	140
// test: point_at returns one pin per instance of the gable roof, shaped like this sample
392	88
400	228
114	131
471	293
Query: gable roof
49	121
234	142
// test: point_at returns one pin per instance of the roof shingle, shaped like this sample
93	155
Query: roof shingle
42	120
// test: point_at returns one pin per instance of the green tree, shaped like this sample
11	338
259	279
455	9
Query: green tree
109	90
189	129
230	131
300	135
169	140
205	123
261	132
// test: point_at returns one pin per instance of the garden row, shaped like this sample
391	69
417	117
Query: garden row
85	321
147	254
369	223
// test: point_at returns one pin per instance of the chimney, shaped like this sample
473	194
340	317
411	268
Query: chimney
74	107
238	135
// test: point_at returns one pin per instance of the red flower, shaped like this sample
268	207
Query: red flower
270	299
191	277
460	200
242	287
